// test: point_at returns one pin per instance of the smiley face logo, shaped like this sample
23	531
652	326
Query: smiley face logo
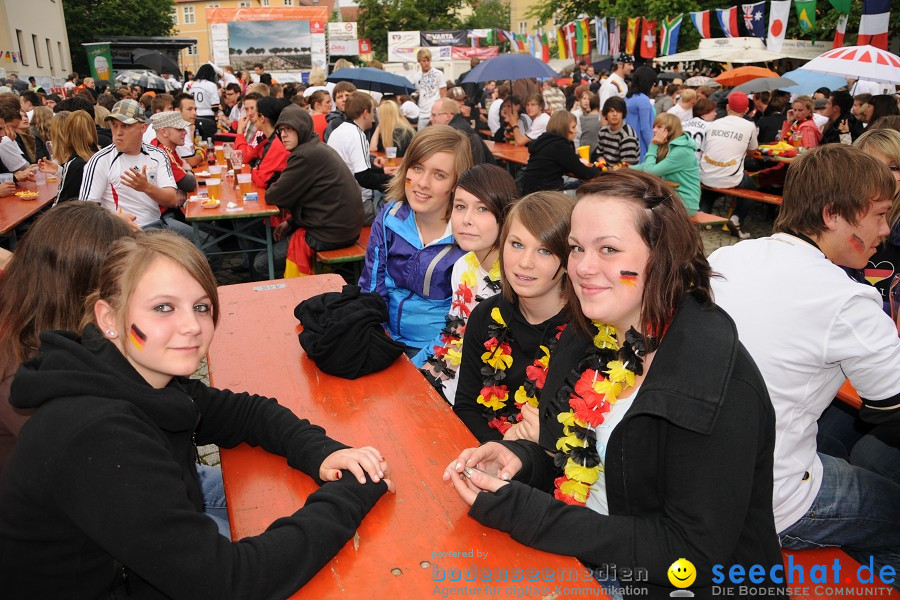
682	573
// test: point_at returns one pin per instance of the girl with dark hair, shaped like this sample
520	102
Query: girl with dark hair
672	460
882	105
552	156
640	109
103	482
205	91
482	198
511	337
54	268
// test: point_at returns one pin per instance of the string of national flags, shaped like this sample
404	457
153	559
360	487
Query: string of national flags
654	38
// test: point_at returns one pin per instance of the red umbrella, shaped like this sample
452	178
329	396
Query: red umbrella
741	75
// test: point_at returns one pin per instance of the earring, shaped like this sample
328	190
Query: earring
111	333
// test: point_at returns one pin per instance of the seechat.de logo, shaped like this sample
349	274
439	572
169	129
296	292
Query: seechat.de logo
681	575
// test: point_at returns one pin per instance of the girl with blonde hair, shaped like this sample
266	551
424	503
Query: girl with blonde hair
75	145
393	129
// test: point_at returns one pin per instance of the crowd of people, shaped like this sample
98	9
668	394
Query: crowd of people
635	400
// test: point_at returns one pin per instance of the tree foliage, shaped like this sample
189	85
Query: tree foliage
377	17
489	14
88	18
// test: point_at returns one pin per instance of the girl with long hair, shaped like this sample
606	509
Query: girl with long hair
672	156
511	337
75	145
411	249
482	198
393	130
799	129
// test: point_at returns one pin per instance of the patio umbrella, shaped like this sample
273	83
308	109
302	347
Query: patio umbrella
764	84
736	77
699	80
808	82
512	67
145	79
375	80
153	59
858	62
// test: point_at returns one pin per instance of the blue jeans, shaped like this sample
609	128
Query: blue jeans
855	509
213	489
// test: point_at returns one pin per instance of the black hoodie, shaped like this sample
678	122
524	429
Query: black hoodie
317	186
550	157
101	497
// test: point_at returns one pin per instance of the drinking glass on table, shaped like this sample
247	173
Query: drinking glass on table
214	188
245	182
390	154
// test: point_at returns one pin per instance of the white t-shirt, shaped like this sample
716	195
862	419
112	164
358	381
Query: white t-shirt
597	500
808	326
206	95
685	114
429	87
493	118
613	85
538	126
820	120
724	148
102	175
349	141
11	155
696	128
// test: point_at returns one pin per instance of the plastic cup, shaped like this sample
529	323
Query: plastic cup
220	155
584	152
391	153
40	177
237	159
245	181
4	177
214	188
215	169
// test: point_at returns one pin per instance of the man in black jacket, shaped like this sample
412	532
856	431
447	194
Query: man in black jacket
446	112
838	112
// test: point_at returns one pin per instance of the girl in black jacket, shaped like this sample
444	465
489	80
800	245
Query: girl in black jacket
552	156
663	430
101	497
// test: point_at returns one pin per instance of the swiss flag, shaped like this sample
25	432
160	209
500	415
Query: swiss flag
365	46
648	39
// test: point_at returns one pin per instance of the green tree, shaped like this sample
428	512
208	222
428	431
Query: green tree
86	19
377	17
489	14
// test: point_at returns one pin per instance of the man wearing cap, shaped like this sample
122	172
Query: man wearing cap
129	176
170	130
727	142
615	85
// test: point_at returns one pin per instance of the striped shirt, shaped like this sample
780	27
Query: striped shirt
618	146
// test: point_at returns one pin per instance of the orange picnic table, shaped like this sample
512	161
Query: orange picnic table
14	210
411	543
509	153
247	212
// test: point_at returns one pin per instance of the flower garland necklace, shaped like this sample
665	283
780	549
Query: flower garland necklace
588	401
446	358
498	358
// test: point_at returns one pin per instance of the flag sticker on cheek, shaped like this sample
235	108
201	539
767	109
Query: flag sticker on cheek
137	337
857	242
628	277
408	181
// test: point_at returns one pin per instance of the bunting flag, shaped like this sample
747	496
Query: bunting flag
521	43
842	6
582	38
561	43
755	19
779	11
701	22
545	48
533	48
668	35
806	14
648	38
631	35
839	31
873	25
728	19
614	37
602	35
570	39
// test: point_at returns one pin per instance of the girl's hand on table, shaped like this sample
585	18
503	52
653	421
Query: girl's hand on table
496	466
359	461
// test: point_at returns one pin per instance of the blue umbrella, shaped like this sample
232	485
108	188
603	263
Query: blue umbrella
510	66
375	80
809	81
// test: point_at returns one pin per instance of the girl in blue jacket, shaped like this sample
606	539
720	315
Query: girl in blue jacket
411	250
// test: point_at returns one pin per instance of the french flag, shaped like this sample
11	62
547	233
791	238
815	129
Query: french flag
728	19
873	25
701	22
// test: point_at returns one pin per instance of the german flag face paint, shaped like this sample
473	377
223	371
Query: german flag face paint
136	337
628	277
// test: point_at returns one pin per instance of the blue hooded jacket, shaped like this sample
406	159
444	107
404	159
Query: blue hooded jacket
413	280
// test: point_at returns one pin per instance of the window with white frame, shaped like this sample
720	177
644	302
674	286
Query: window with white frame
523	27
188	15
175	15
264	2
192	50
21	39
288	2
212	5
244	4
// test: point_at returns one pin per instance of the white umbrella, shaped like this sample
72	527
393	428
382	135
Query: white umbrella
858	62
700	80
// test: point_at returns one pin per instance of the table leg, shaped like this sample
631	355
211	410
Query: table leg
196	226
12	239
269	252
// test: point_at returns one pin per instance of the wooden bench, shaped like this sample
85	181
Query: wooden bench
749	194
702	218
353	253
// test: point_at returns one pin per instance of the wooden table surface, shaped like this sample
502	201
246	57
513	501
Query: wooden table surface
193	211
508	152
14	211
398	544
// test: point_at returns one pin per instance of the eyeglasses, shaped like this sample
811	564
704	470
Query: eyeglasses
433	115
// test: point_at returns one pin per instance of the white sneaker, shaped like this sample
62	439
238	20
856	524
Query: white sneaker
734	228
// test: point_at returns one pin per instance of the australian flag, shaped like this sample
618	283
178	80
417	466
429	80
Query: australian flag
755	19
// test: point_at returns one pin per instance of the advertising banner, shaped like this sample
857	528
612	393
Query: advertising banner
468	53
446	37
342	31
100	60
438	53
343	47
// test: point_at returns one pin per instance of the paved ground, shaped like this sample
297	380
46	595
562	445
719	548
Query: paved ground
759	224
